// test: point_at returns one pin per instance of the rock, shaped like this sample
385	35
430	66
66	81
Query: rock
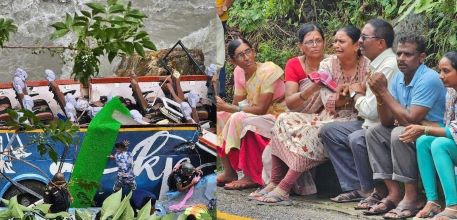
151	65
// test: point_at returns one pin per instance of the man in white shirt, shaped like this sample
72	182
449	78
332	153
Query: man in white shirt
345	141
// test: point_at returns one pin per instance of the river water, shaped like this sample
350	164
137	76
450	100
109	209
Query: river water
193	21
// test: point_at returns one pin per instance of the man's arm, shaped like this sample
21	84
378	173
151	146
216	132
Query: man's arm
404	116
366	105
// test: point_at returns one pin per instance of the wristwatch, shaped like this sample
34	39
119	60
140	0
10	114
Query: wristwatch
352	94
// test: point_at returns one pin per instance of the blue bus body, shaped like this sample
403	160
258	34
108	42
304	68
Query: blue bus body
156	149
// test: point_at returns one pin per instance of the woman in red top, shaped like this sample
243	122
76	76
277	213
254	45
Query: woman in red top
311	44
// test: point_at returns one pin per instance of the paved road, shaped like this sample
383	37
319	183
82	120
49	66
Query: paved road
235	202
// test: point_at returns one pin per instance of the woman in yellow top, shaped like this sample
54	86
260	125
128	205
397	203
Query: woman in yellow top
258	98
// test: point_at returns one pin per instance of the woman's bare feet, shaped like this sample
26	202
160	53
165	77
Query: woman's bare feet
244	183
226	177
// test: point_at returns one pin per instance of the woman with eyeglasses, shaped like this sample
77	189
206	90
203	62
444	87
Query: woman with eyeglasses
295	145
311	43
258	96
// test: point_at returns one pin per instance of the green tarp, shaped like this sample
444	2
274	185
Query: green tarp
97	145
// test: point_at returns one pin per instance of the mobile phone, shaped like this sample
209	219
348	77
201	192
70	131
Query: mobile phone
315	77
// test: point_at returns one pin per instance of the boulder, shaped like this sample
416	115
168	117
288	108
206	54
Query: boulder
150	65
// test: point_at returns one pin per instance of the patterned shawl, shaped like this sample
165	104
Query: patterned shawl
450	114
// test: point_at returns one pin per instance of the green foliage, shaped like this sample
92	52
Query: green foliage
113	29
440	15
248	15
60	131
111	205
17	211
82	215
270	51
268	24
6	27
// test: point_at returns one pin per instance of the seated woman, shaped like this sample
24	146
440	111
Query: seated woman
295	144
437	149
259	92
311	44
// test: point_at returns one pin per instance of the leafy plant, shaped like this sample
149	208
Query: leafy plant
60	131
6	27
17	211
113	29
440	15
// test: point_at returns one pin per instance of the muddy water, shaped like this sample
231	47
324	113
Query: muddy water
193	21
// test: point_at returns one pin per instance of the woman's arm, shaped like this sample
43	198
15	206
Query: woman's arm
261	108
265	100
295	98
413	131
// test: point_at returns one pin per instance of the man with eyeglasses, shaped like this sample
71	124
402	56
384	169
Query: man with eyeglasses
345	141
416	95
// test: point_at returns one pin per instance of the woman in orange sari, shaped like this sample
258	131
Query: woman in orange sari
259	93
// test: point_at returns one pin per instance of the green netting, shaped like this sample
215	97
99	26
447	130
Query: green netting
97	145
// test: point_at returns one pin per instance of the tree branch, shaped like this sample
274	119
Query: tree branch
38	47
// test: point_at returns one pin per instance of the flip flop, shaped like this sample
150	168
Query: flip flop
432	211
374	210
277	200
410	209
371	200
448	212
352	196
260	192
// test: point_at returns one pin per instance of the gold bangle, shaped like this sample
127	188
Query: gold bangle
426	130
301	97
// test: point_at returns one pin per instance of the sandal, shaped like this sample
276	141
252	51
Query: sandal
431	209
376	210
259	192
366	203
352	196
448	212
403	211
272	198
240	185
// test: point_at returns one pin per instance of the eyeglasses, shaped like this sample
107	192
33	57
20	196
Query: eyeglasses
311	43
364	37
241	55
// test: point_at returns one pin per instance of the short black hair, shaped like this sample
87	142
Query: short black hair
383	30
120	145
452	56
418	40
309	27
234	44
